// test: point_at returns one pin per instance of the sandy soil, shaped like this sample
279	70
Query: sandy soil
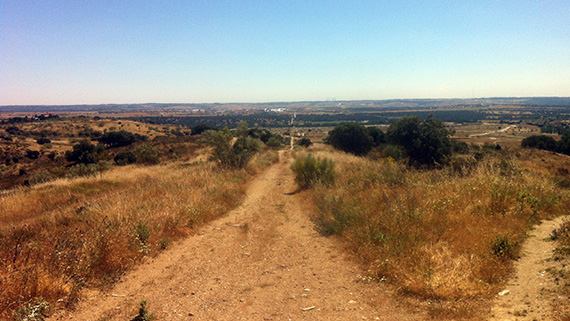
263	261
531	295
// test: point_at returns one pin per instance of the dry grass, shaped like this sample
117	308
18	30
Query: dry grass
445	236
63	235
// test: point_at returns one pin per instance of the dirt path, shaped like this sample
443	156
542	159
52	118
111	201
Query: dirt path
263	261
530	295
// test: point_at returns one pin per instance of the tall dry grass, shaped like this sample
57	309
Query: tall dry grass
442	235
61	236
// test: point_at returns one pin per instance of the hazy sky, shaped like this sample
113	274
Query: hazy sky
73	51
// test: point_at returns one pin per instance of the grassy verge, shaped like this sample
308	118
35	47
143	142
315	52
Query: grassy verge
445	236
64	235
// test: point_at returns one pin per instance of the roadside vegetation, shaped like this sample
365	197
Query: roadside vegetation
444	229
86	230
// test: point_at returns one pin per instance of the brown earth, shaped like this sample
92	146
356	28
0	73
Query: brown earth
263	261
531	294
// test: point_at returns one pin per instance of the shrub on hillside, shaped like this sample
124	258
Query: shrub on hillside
236	155
262	134
199	129
125	158
147	154
84	152
504	248
117	138
274	142
82	170
352	138
305	142
43	141
310	171
32	154
540	142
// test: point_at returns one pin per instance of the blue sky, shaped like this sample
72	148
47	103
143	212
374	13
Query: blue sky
75	52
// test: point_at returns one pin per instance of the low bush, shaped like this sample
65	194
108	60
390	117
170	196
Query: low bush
274	142
233	153
310	171
43	141
125	158
147	154
32	154
305	142
503	247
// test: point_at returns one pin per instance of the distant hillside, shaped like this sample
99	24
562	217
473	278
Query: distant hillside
383	104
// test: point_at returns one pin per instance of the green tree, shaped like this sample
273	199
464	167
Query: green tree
564	144
426	142
377	135
352	138
84	152
117	138
540	142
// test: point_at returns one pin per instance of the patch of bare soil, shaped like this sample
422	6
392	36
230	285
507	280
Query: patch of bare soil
263	261
531	294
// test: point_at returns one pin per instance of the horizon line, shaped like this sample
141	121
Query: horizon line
286	102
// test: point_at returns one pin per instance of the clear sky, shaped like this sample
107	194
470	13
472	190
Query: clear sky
128	51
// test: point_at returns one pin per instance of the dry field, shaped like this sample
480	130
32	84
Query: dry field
446	236
62	236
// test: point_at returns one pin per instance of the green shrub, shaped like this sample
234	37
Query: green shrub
125	158
142	233
41	177
310	171
394	151
43	141
352	138
377	135
82	170
274	142
426	142
146	154
84	152
32	154
199	129
117	139
305	142
236	155
503	247
143	315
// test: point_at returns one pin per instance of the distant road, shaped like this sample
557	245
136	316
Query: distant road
492	132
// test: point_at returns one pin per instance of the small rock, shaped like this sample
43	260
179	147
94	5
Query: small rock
308	309
351	302
504	292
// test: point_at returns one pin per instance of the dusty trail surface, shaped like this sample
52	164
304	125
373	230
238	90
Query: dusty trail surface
263	261
530	294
